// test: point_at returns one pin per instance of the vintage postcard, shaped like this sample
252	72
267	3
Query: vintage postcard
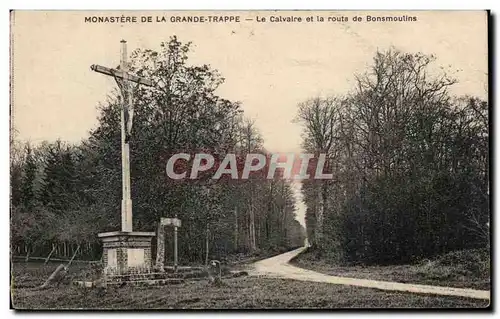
249	160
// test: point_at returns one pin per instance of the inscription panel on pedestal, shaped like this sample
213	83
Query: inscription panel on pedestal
112	260
135	257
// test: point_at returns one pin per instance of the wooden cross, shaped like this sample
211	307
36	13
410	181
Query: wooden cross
124	81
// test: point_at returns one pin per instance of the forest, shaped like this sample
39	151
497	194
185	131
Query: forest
63	194
410	165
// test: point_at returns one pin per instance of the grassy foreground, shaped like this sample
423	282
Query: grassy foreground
237	293
460	269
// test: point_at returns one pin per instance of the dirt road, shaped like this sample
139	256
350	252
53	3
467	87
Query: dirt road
279	267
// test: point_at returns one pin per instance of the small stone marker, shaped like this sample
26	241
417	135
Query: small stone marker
214	272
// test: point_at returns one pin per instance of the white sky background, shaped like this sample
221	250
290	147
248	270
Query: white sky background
269	67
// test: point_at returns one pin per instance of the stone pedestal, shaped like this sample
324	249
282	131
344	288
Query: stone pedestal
126	252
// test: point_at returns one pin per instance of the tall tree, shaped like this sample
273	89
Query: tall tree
410	168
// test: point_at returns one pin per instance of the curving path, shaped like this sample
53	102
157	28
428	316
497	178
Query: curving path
279	267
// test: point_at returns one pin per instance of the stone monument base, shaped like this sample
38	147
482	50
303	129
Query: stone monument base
126	252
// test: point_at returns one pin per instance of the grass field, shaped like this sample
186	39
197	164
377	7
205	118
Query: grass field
461	269
236	293
33	274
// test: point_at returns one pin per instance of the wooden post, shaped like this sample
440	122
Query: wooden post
175	249
124	80
126	199
74	254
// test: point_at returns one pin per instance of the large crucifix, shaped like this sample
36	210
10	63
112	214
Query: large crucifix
125	82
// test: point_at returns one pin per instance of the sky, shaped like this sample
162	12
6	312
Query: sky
269	67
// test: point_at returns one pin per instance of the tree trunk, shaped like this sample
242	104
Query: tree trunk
73	257
207	246
27	256
318	240
236	229
252	229
283	221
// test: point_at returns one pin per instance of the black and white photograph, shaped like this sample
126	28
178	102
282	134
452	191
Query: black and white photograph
259	160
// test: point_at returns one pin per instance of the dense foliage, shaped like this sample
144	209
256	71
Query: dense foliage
409	160
63	195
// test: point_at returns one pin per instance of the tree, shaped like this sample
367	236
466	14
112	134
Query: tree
28	195
320	120
410	168
80	185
